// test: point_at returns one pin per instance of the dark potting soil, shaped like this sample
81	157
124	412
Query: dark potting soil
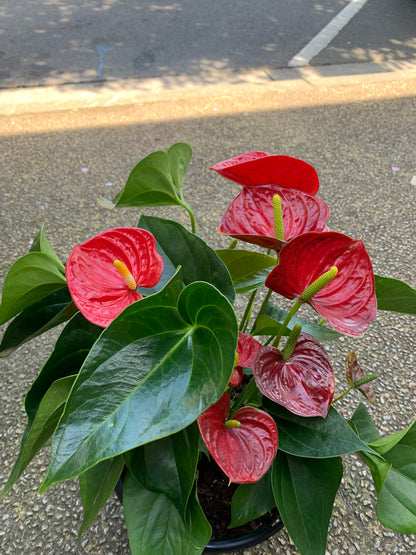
215	495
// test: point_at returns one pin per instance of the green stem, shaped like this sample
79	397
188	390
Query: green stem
342	395
247	313
248	393
191	215
262	308
289	316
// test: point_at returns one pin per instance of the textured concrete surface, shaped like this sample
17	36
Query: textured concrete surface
361	140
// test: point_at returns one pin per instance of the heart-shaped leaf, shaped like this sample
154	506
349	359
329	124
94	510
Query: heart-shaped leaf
393	294
44	315
250	216
305	490
395	479
250	501
348	303
259	168
96	486
168	465
157	179
270	320
41	244
245	450
363	425
70	351
154	524
152	372
248	269
32	277
400	448
198	261
41	427
396	491
71	348
304	383
315	437
180	155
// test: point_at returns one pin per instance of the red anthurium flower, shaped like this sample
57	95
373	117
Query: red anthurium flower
246	350
237	376
104	272
348	302
244	447
250	216
259	168
304	383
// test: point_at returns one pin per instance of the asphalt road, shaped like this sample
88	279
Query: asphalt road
78	41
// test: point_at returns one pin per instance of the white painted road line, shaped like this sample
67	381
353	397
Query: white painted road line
328	33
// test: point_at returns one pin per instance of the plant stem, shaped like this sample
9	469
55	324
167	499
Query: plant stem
283	327
248	393
247	313
342	395
262	307
191	215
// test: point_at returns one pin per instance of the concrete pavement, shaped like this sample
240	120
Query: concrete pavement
359	135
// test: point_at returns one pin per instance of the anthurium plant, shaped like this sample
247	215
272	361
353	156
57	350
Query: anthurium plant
154	368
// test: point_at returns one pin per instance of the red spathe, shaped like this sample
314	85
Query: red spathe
245	453
96	286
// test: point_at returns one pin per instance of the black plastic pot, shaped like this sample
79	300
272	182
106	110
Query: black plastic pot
248	540
234	544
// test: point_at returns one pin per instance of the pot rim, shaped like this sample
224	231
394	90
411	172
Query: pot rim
247	540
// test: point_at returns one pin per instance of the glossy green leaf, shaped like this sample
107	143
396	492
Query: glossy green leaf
393	471
250	501
157	179
403	454
154	524
248	269
96	486
314	437
41	428
180	155
41	244
305	490
151	373
197	260
405	438
363	425
393	294
168	465
269	323
32	277
70	351
199	528
49	312
396	504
